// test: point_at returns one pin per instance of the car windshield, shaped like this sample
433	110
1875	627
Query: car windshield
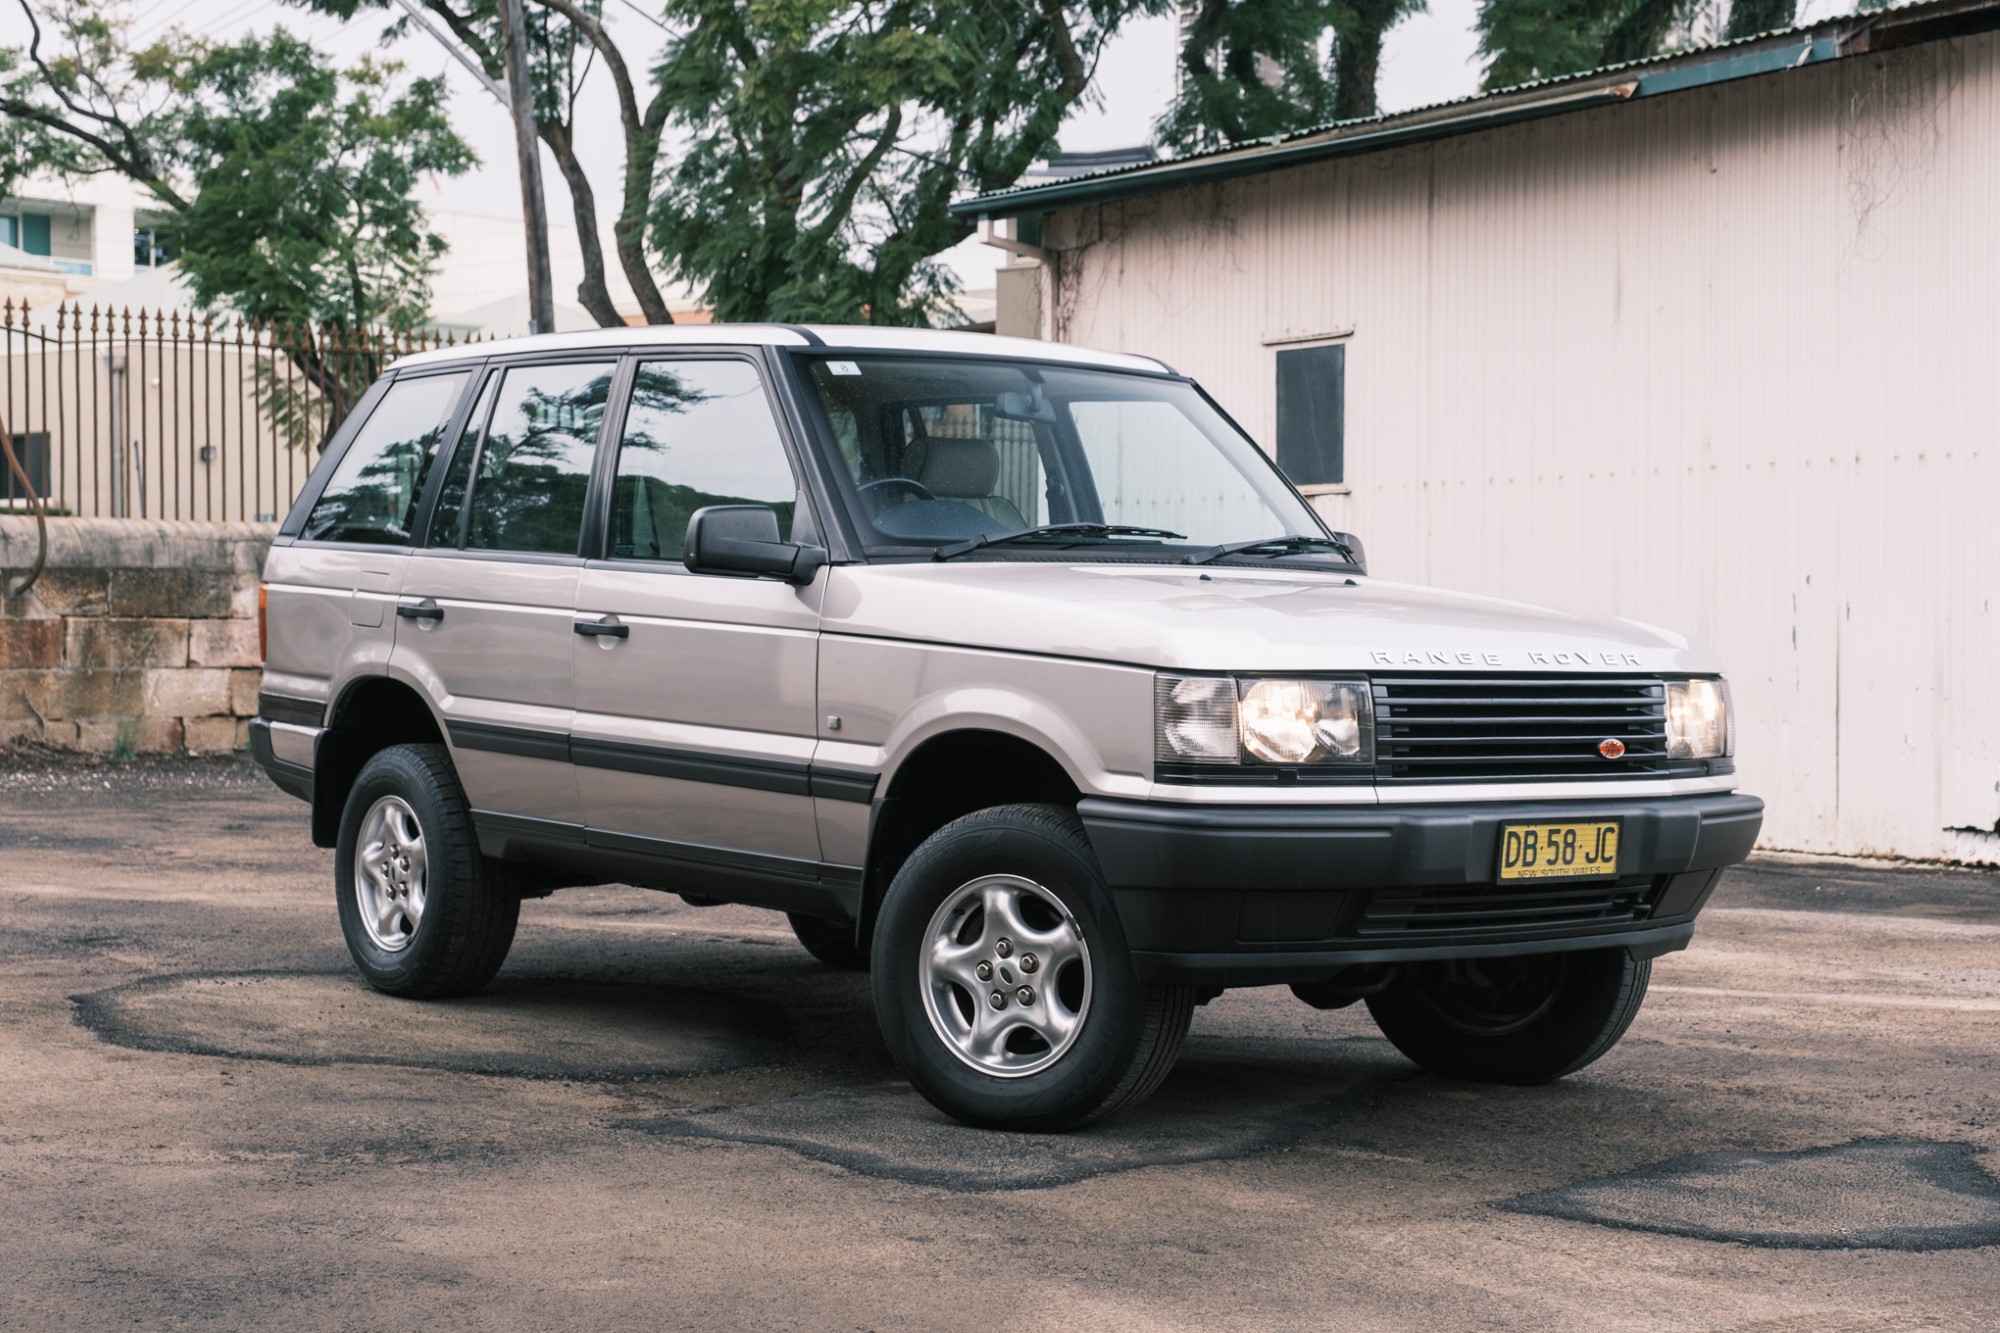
940	451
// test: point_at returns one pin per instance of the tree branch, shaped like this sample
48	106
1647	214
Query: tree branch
642	149
596	298
843	199
1075	78
139	171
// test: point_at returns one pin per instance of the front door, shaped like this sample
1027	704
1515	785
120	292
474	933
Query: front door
484	616
695	705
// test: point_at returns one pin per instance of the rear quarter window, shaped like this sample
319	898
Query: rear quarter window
372	495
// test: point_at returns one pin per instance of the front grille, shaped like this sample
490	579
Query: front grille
1488	729
1461	910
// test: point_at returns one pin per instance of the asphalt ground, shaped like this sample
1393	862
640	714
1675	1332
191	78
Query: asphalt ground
667	1117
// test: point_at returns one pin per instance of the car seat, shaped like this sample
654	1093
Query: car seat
966	471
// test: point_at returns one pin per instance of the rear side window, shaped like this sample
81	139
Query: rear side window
697	433
372	495
533	468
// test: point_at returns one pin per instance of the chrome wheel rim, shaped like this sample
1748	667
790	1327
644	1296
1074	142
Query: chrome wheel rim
391	873
1005	976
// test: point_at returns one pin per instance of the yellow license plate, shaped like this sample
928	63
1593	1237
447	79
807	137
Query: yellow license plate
1559	851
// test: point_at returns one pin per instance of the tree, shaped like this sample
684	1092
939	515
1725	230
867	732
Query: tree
825	141
1524	40
290	182
566	38
1251	69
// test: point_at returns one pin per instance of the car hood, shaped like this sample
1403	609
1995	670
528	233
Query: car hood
1236	619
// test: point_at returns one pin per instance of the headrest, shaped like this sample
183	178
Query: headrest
961	468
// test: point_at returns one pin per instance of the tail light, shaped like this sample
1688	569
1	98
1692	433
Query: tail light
263	622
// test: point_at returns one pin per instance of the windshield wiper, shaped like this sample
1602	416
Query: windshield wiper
1053	530
1275	545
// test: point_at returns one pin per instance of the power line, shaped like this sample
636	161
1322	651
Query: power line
157	26
644	15
472	67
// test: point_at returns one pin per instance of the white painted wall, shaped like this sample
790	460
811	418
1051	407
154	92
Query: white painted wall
1723	360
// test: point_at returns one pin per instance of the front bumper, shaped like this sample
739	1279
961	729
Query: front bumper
1239	896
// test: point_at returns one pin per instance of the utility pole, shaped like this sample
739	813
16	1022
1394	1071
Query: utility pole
534	215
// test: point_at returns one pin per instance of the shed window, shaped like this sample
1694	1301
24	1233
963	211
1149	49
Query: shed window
1312	398
33	451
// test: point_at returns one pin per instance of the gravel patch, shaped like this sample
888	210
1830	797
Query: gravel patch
38	770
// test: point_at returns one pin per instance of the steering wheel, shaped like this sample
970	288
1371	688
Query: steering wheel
922	491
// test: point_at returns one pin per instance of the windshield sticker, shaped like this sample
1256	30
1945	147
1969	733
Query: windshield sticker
842	368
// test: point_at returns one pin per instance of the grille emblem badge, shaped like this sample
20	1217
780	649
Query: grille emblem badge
1611	748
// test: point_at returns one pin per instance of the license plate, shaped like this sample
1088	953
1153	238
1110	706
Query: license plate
1559	851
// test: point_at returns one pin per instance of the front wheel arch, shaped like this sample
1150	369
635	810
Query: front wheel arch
948	777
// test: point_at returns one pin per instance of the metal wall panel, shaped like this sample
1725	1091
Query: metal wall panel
1722	360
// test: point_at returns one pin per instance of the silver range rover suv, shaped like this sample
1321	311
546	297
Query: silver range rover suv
1014	672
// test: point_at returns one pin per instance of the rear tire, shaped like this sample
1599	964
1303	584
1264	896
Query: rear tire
1513	1020
425	915
832	942
1073	1037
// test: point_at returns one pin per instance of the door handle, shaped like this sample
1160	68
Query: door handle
597	629
432	613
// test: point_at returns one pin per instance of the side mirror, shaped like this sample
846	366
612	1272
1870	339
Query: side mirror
743	539
1353	543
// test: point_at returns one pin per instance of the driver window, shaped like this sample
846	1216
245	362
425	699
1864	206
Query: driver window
697	433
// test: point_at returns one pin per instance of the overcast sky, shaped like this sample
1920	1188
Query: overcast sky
1428	58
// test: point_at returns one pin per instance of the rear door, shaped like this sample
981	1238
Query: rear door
484	616
695	721
331	585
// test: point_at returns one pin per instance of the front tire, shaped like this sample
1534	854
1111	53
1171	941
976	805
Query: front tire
1513	1020
1003	982
424	914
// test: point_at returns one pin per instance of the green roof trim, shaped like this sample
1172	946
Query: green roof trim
1750	57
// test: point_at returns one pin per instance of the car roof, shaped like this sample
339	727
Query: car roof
831	337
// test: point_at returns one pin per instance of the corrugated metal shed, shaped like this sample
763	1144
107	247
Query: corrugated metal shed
1747	57
1720	360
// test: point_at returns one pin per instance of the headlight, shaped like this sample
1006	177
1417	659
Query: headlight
1219	720
1698	719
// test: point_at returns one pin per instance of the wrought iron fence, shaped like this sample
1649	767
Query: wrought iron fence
175	414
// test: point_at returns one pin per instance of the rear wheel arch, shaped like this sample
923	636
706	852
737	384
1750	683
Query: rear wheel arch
370	715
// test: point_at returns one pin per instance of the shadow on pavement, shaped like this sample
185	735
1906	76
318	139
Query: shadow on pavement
1853	1196
545	1029
1207	1111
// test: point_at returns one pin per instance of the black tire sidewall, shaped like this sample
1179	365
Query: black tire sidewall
1593	1006
398	771
1006	841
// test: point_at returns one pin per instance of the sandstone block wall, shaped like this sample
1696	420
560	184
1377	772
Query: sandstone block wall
141	635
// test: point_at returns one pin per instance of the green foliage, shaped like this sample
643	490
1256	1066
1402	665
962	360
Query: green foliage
1251	69
564	39
1747	18
291	181
824	141
1248	71
1524	40
305	206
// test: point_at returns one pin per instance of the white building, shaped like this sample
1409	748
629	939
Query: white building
1707	341
99	242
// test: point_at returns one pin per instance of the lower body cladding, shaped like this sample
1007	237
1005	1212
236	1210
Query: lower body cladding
1249	896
